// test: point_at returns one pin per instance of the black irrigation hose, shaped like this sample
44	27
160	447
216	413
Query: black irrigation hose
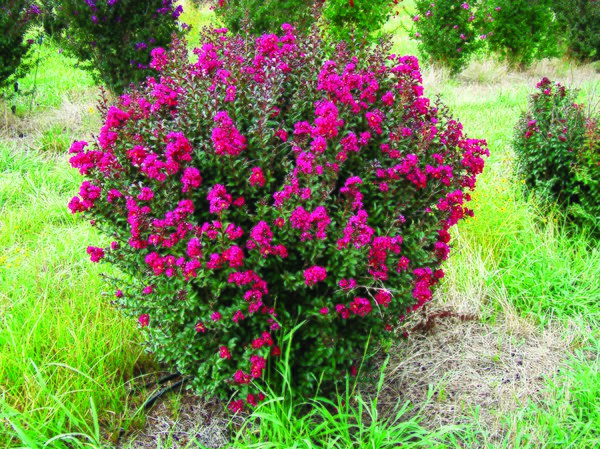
167	378
160	381
150	401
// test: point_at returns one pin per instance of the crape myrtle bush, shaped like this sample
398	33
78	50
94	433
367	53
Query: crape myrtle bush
579	24
523	31
449	32
558	149
264	16
113	38
274	181
16	16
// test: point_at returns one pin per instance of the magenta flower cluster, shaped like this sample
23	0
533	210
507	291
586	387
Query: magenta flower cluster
263	185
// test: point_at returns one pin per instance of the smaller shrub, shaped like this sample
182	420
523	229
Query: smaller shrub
15	18
266	16
113	38
579	24
359	17
587	173
449	32
522	31
558	150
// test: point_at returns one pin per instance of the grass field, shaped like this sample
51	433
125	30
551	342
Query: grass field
530	284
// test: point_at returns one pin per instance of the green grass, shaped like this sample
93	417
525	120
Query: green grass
286	421
63	347
574	402
65	353
197	18
546	269
52	80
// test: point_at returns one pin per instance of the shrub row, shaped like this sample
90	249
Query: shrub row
519	32
114	38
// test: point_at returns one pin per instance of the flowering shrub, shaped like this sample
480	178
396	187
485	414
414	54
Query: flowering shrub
558	150
113	38
579	24
358	17
267	185
15	18
264	16
449	32
522	31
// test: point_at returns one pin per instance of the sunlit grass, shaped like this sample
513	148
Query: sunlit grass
53	78
61	341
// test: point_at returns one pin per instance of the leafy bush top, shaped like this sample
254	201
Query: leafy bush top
344	18
272	182
449	32
113	38
579	24
523	31
558	148
15	19
356	17
264	16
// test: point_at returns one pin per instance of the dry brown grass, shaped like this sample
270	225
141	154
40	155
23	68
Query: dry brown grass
463	366
477	365
486	77
181	422
77	116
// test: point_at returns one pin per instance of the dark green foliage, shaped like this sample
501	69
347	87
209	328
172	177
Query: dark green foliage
15	19
558	150
264	16
113	38
449	32
359	17
52	22
579	24
523	31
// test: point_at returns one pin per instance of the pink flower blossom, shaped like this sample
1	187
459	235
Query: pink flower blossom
347	284
191	179
236	406
159	59
96	254
144	319
360	306
383	297
225	137
314	274
375	119
219	199
238	316
146	194
257	177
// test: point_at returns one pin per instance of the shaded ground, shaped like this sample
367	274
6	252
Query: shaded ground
457	368
177	420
